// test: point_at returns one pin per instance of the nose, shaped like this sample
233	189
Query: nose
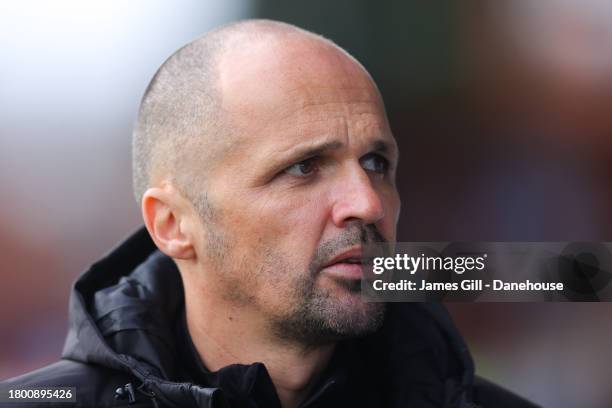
356	199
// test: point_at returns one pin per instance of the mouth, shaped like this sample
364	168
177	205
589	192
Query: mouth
348	265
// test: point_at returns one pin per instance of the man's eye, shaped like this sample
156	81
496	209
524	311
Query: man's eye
375	163
304	168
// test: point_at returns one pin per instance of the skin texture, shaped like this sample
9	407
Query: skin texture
255	286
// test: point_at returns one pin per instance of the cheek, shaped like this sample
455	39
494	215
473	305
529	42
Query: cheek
298	225
290	224
391	205
280	239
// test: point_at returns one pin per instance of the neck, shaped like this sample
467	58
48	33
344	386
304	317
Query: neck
225	334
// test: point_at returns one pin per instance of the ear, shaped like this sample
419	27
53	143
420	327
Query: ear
166	217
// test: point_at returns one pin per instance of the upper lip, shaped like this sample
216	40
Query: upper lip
354	254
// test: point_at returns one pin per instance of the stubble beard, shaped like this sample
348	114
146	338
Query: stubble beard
321	316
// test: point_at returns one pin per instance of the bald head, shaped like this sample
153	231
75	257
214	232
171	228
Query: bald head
216	87
279	141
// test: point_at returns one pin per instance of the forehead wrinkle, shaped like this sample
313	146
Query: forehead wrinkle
301	124
270	139
332	139
308	113
293	125
307	95
308	88
293	132
308	138
338	126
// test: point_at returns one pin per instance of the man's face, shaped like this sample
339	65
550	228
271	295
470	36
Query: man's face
308	181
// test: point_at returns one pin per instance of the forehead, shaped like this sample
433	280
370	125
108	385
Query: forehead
297	84
287	62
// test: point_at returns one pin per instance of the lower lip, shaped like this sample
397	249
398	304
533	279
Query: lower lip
345	271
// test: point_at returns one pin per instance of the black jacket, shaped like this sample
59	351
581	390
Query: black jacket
127	345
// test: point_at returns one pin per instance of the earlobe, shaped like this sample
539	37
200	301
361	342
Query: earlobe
162	218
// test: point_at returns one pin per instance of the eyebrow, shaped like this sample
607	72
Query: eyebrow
305	152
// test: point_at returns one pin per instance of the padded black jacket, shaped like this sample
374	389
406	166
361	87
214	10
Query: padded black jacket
124	349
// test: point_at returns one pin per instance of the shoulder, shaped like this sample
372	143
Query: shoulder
487	394
95	385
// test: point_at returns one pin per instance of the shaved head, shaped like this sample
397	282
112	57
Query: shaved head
262	153
187	118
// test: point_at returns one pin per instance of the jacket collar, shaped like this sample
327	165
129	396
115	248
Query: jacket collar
123	308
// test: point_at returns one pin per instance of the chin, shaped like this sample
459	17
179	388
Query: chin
329	315
355	317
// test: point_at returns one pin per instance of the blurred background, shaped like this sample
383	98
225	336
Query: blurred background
501	110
